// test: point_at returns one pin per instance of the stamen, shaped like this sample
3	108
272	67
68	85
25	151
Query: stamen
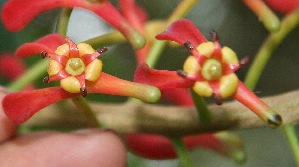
182	73
214	36
46	80
43	54
188	45
102	50
218	99
83	91
244	61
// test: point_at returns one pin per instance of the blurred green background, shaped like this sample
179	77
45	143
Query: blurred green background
237	27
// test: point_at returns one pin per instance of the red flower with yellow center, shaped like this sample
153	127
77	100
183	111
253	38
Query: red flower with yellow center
212	69
208	71
79	71
73	64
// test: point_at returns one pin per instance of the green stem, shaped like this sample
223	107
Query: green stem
182	152
106	39
155	53
84	106
62	23
201	108
270	44
30	75
265	14
158	46
290	133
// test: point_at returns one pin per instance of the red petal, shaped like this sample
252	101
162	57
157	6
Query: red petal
20	106
16	14
73	51
11	67
245	96
181	31
285	6
163	79
48	43
178	96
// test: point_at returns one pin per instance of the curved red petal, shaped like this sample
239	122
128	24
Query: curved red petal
20	106
181	31
163	79
48	43
16	14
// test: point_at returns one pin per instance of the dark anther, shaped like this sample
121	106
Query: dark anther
244	61
218	99
102	50
43	54
182	73
214	36
46	80
188	45
83	92
275	121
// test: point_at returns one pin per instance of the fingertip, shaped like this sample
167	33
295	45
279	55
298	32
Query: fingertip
89	148
107	148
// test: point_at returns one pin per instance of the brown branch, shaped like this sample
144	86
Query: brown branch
167	120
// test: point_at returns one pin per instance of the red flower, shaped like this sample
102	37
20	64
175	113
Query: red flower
209	71
80	72
283	6
159	147
16	14
11	67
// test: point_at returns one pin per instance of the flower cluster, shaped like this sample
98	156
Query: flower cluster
209	71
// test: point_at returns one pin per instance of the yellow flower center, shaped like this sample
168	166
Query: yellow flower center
75	66
212	70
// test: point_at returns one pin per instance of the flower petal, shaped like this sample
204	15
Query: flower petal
255	104
48	43
108	84
163	79
20	106
181	31
16	14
